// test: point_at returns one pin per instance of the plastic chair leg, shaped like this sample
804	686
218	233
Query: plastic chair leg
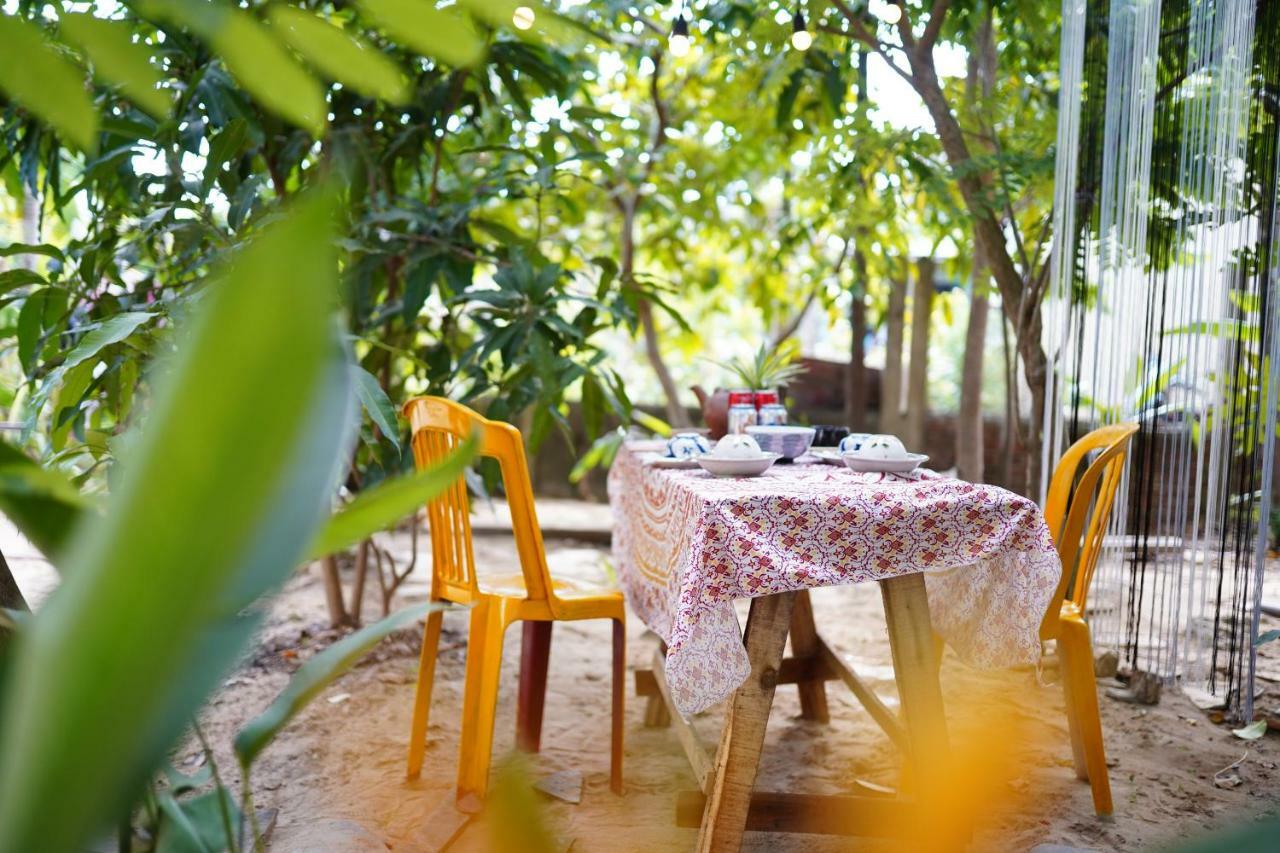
619	704
422	694
1078	672
484	666
1066	655
535	655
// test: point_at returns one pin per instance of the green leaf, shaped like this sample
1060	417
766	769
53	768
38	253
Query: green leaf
226	146
376	403
46	249
9	279
547	25
117	59
41	503
418	24
592	406
339	54
215	500
110	331
391	500
1253	731
787	99
197	825
259	62
30	325
36	76
1267	637
316	674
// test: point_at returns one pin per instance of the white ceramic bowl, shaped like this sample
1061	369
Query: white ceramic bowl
886	448
871	465
736	447
787	441
722	466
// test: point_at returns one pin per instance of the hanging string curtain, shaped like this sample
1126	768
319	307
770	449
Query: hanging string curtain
1162	310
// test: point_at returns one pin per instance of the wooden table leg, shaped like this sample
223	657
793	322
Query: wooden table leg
804	644
656	713
906	611
738	758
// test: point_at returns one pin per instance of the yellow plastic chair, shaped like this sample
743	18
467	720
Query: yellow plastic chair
532	595
1077	512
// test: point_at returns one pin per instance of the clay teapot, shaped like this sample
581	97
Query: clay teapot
715	410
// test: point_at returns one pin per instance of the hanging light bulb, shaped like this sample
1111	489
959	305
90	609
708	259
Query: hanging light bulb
679	41
522	17
890	13
801	38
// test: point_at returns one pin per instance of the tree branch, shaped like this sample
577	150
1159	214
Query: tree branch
936	16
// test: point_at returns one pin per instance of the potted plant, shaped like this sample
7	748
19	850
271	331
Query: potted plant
768	368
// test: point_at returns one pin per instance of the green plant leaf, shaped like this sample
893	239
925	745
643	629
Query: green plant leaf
1253	731
389	501
196	825
215	499
30	325
110	331
1267	637
9	279
259	62
117	59
341	55
376	403
226	146
316	674
36	76
41	503
46	249
418	24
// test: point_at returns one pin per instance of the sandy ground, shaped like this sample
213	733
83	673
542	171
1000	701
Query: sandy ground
336	775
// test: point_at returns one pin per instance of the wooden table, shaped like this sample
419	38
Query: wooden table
727	803
687	546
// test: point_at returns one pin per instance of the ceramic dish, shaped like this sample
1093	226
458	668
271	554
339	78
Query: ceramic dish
730	467
789	442
672	462
827	455
906	465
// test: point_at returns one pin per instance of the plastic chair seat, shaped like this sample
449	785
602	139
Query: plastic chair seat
512	585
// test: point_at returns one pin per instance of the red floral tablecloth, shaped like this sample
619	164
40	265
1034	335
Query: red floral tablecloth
687	544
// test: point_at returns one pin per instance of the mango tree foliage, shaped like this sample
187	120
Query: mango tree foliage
447	181
758	171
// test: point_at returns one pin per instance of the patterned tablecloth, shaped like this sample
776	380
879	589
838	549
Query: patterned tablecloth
687	545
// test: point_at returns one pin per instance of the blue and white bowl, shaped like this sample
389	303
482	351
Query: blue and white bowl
687	445
789	442
854	441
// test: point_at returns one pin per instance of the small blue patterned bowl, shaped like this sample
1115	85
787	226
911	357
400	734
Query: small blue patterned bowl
687	445
853	441
788	441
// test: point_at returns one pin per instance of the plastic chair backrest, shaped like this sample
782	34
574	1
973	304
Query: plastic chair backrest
437	426
1078	512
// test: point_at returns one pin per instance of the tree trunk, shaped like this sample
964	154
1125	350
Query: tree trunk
970	452
855	375
676	414
1010	403
10	596
918	370
1019	297
333	592
891	379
